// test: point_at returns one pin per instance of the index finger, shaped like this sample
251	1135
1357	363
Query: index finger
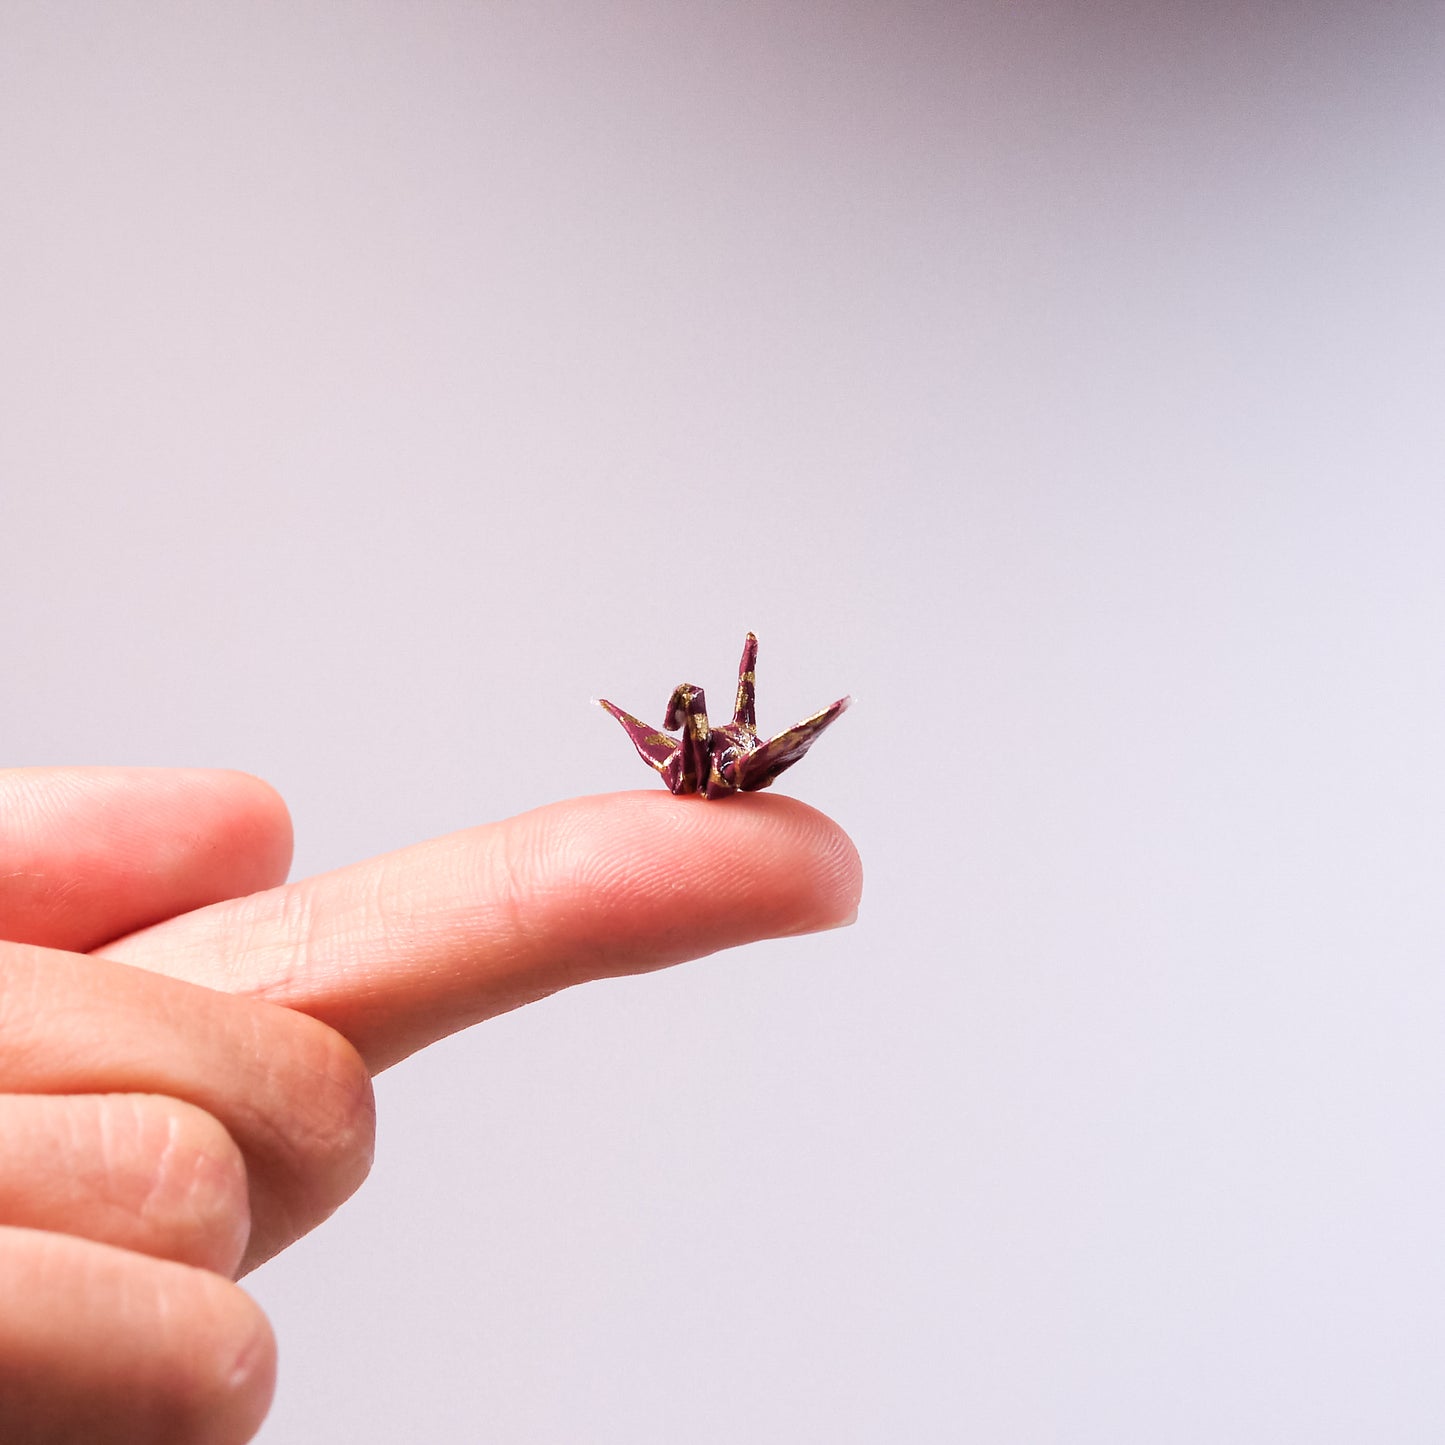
407	948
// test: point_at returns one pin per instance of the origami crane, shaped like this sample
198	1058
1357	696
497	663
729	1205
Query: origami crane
716	761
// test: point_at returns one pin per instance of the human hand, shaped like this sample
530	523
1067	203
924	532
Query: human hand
162	1135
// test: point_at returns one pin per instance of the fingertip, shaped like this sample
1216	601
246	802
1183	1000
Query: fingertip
264	832
224	1383
116	1348
628	882
815	872
834	884
239	1397
93	853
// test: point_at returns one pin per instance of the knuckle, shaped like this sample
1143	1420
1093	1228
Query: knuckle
113	1348
333	1127
225	1376
191	1197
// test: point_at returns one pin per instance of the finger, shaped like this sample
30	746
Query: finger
404	949
87	854
292	1093
101	1345
141	1171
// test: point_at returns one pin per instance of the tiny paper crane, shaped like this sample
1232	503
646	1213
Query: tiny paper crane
716	761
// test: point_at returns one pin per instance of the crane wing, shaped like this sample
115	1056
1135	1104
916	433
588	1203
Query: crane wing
758	768
653	747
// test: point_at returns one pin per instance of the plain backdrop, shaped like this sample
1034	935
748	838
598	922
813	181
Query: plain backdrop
381	382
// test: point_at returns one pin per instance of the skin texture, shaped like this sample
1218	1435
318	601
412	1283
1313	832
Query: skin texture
186	1042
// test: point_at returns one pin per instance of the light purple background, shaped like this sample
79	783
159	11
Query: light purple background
378	383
